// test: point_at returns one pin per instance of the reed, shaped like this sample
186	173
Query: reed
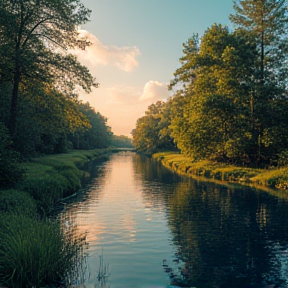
34	253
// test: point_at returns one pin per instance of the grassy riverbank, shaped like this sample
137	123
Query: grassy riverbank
35	251
271	178
52	177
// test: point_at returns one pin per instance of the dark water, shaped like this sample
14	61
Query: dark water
137	214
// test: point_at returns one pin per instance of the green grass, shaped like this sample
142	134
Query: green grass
52	177
34	253
273	178
18	203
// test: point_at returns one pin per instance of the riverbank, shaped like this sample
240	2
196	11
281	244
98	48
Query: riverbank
26	231
52	177
270	178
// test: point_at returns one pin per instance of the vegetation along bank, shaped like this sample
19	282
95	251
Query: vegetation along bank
227	117
266	178
45	134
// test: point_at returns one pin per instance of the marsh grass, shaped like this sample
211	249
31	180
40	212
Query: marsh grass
272	178
34	253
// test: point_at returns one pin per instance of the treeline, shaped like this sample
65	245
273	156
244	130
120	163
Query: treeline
40	112
121	141
230	93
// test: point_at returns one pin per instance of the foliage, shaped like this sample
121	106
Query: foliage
121	141
230	93
10	169
97	135
33	252
17	202
34	38
151	133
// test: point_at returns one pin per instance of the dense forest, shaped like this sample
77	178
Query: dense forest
229	98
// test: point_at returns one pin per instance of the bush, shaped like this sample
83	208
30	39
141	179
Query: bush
10	170
17	202
34	253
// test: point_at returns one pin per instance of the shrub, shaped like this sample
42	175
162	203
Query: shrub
35	253
10	170
17	202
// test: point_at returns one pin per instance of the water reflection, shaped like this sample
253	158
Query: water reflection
226	236
159	228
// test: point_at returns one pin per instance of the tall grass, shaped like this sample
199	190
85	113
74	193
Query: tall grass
34	253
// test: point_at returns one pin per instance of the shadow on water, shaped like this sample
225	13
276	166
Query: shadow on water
225	236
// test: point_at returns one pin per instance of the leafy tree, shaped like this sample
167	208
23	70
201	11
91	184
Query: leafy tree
97	135
152	131
121	141
34	37
185	74
266	21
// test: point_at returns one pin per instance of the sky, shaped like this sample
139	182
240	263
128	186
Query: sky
136	46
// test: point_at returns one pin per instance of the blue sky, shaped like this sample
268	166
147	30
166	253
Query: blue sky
136	49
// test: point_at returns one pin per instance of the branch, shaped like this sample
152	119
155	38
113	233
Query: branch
31	31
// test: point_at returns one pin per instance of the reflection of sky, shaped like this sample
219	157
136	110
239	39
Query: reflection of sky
134	236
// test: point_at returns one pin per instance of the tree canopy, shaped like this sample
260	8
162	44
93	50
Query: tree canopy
35	37
230	92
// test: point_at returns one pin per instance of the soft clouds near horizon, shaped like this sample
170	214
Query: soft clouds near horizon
98	53
123	105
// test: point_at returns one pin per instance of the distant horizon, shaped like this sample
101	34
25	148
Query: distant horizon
136	49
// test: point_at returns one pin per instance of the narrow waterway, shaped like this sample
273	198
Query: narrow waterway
155	228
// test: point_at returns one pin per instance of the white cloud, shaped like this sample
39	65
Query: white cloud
98	53
123	105
154	91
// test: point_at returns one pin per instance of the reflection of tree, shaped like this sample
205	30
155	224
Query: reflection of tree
222	235
153	175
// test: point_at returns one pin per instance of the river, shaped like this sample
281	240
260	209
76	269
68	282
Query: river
154	229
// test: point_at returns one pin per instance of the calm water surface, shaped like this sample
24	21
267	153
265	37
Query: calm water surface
156	228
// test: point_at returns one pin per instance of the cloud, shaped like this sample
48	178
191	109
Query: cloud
97	53
123	105
154	91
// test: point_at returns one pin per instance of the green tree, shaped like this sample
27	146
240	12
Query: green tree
34	37
213	111
266	21
121	141
97	135
146	136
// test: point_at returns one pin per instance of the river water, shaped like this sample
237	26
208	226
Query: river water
154	229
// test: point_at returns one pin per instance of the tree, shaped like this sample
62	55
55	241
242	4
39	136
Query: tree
185	74
97	135
266	21
34	37
121	141
150	134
